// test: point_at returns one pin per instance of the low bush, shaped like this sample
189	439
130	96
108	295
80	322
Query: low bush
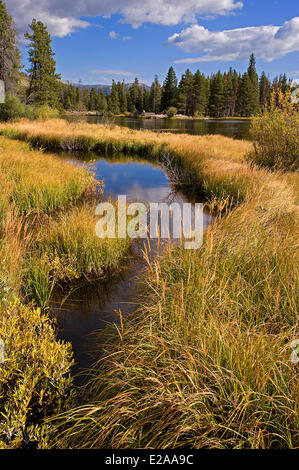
34	377
171	111
41	113
12	109
276	136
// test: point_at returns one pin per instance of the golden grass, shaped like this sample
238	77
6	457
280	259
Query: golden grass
67	248
205	361
47	226
211	146
33	182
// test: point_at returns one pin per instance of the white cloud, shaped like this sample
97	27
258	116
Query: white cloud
127	38
63	16
113	35
267	42
113	72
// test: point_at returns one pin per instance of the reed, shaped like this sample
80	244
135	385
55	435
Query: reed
67	249
34	183
205	360
47	226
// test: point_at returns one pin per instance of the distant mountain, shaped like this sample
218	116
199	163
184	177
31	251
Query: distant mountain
106	88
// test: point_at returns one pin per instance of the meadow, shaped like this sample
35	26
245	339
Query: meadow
205	359
46	236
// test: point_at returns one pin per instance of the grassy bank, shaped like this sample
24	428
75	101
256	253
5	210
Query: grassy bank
46	236
207	164
205	360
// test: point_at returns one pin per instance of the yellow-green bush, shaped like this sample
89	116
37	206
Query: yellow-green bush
276	137
34	377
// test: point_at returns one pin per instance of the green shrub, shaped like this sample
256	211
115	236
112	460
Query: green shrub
11	109
276	137
34	377
41	112
171	112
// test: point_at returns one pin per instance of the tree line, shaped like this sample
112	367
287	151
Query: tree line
218	95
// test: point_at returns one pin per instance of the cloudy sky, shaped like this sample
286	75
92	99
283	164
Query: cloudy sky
100	40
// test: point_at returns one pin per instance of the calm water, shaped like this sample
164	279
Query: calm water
237	129
90	307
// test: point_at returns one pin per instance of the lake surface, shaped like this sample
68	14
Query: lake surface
234	128
88	308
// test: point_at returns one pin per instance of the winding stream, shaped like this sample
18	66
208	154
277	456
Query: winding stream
89	308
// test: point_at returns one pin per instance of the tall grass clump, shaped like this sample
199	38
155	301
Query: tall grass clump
205	361
276	135
68	249
33	182
47	225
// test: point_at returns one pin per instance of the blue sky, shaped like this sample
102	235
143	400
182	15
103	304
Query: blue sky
97	41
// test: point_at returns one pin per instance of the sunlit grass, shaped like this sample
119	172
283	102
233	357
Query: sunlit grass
67	249
34	182
205	360
47	235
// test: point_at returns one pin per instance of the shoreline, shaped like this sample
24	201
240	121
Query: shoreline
154	117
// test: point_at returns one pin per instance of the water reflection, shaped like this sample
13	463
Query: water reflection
139	181
235	128
90	307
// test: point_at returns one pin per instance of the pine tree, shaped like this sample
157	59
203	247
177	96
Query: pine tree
265	91
285	85
114	99
200	93
186	96
122	96
254	93
93	100
9	54
146	100
217	96
244	105
78	95
44	85
229	93
135	97
155	96
140	101
102	101
236	79
169	92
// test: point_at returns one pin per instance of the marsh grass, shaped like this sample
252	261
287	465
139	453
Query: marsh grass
205	360
46	236
67	249
194	156
34	183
